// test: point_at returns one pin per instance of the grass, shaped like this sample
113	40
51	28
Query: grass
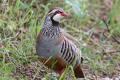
21	21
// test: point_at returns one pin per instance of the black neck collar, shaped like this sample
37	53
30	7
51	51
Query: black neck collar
54	23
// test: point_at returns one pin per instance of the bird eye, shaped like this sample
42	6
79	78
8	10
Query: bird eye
58	12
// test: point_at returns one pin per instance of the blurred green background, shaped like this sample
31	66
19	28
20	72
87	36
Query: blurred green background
95	24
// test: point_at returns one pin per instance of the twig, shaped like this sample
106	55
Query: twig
107	25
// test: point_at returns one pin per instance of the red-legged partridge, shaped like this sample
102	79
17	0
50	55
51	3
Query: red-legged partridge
52	41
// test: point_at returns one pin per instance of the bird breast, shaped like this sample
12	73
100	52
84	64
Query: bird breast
47	47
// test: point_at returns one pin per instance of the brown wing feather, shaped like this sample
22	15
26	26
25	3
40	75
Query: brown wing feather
68	36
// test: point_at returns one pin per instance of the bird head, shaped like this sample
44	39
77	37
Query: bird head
57	14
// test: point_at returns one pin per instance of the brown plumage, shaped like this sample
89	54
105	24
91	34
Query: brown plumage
52	41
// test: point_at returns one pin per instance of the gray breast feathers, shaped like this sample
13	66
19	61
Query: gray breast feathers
47	47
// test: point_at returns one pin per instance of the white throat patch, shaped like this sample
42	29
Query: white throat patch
57	17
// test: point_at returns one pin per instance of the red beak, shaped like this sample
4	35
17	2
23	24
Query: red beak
64	14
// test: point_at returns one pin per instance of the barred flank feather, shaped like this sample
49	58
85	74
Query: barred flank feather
68	52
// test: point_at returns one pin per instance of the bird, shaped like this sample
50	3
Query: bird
56	48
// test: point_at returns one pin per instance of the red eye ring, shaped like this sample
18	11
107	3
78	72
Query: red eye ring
58	12
62	13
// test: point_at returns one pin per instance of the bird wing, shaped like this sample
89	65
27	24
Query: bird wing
71	54
69	36
69	51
